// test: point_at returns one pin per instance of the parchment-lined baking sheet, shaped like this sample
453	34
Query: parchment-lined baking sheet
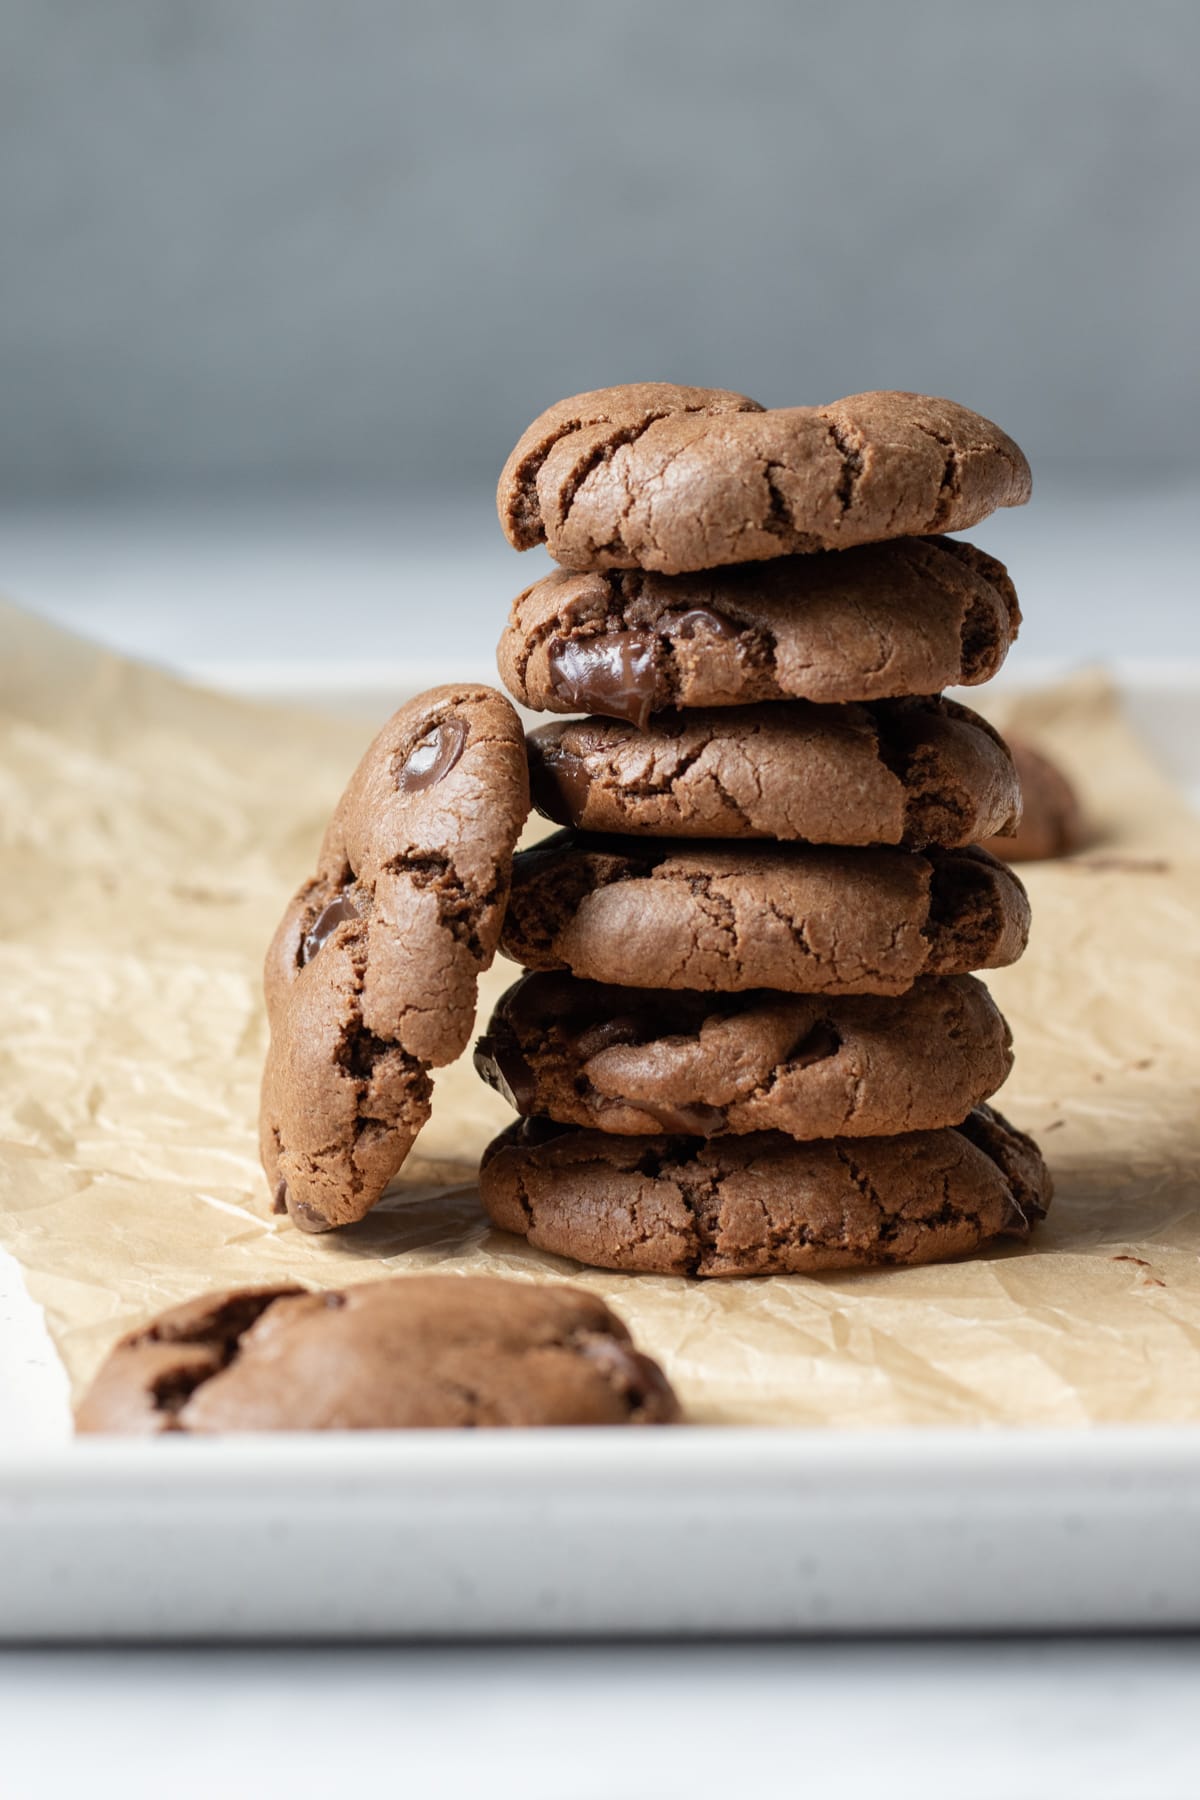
149	835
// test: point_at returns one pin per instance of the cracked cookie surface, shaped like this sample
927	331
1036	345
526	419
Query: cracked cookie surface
796	918
419	1351
909	617
913	772
765	1204
370	979
641	1061
668	478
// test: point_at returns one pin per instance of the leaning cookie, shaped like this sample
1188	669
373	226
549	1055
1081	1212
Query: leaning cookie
1052	821
914	772
422	1351
639	1061
764	1204
909	617
653	476
370	979
795	917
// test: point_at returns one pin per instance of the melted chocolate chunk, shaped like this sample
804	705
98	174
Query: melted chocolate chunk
432	759
500	1062
559	783
306	1216
337	912
612	675
698	621
279	1197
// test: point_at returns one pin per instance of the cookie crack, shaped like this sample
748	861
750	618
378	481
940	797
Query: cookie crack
985	618
717	909
851	457
950	487
778	521
357	1054
649	787
926	557
528	524
937	808
601	453
459	906
700	1196
616	439
796	930
732	802
861	1181
221	1334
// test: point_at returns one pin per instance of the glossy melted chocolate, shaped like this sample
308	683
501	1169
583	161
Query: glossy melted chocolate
613	675
616	673
501	1063
560	783
337	912
432	759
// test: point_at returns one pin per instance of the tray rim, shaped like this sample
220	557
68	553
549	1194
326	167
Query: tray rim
586	1533
588	1454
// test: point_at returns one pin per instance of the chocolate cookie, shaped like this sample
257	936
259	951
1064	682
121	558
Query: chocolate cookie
913	772
370	979
1051	817
653	476
641	1060
765	1204
421	1351
800	919
910	617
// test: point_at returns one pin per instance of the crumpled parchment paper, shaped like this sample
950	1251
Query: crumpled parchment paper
150	834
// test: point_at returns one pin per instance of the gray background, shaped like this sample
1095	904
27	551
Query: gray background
351	245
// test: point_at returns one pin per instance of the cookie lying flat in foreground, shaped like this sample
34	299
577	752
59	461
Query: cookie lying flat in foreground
765	1204
370	979
421	1351
657	913
654	476
909	617
913	772
641	1061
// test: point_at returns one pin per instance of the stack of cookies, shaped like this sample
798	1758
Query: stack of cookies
748	1039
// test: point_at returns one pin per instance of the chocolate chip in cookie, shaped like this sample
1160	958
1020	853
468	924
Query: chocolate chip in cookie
652	476
370	979
765	1204
422	1351
913	772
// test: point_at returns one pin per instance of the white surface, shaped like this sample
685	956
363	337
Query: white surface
1012	1721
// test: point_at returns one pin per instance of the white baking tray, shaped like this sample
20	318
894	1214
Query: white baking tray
692	1531
601	1532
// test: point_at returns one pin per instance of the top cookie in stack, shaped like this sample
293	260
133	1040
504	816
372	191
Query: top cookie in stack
786	992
